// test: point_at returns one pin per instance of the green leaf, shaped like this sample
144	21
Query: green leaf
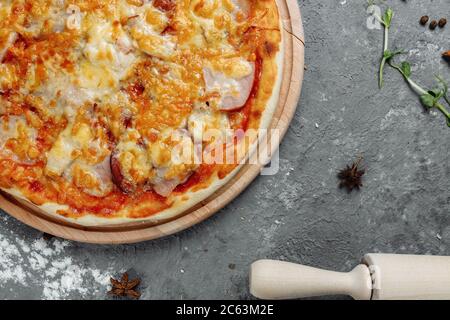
391	54
406	69
387	17
428	100
436	93
443	82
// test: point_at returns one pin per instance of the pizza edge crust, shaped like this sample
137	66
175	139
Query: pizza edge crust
180	205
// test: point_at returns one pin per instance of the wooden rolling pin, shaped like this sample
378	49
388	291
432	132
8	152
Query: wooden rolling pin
379	277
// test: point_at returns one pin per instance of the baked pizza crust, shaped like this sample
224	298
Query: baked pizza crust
270	85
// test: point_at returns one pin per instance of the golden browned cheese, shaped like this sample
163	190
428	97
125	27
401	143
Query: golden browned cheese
89	83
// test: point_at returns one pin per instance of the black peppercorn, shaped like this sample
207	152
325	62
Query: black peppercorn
433	24
424	20
442	22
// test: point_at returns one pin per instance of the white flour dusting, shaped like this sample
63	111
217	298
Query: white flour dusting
46	263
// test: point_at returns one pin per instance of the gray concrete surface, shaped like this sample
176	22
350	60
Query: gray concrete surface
298	215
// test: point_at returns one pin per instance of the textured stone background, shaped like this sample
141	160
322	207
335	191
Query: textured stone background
299	214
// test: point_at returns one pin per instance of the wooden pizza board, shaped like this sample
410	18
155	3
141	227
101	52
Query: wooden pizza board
137	232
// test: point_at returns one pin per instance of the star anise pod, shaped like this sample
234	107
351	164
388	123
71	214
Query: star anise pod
125	287
446	55
351	176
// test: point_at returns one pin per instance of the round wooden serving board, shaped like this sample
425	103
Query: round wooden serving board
289	97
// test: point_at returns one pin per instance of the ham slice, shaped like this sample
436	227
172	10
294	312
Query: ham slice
103	172
100	173
165	187
164	183
131	172
140	166
234	92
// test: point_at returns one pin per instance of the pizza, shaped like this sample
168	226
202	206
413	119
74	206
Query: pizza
109	108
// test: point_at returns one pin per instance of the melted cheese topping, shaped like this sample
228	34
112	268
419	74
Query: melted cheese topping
82	81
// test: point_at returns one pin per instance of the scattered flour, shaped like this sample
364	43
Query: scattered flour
47	263
282	181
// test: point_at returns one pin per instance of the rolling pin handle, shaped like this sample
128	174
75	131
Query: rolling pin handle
271	279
